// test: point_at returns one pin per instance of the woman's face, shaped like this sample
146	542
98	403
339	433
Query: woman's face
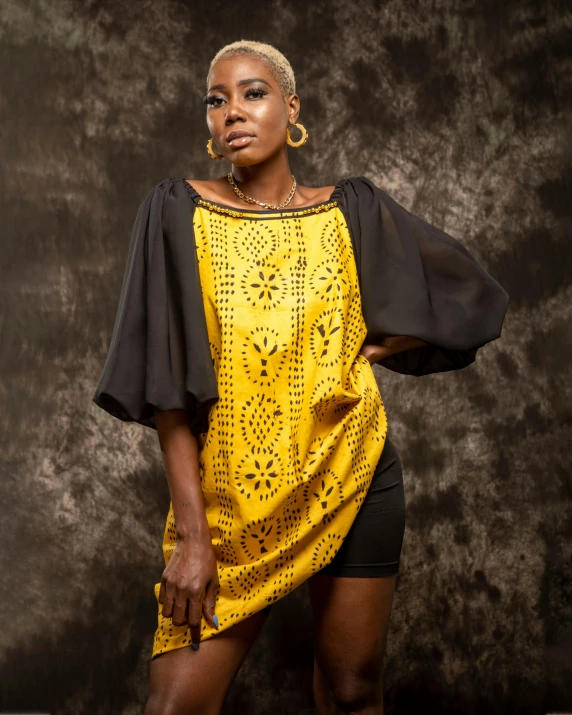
244	97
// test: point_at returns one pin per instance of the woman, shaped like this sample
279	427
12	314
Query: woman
251	311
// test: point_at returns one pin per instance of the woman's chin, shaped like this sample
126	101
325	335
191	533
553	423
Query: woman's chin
244	157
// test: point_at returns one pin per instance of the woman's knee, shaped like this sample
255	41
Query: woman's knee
352	687
354	694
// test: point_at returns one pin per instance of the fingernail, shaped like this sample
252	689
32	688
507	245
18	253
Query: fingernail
195	646
215	619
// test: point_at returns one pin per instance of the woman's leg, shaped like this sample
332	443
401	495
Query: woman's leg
195	682
351	619
352	598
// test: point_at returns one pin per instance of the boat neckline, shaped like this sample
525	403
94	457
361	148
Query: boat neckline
195	194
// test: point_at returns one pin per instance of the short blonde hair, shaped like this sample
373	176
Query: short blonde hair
279	66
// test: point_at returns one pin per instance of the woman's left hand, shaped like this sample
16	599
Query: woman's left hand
392	344
374	352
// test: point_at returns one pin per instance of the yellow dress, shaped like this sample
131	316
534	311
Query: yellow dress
295	437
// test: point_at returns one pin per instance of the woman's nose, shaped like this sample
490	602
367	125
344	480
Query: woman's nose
234	110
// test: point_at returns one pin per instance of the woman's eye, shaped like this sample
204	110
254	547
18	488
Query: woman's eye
214	101
255	92
211	99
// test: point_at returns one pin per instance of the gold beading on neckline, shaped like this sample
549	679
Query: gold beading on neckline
240	214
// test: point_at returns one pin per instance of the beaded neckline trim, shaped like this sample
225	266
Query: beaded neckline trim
261	214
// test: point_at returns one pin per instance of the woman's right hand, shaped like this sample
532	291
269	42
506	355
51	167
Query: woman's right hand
190	584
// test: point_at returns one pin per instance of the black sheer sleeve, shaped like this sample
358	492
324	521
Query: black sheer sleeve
159	355
417	280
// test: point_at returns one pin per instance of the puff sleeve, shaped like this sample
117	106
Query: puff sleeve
159	354
417	280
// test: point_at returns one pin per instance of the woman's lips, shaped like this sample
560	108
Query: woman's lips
240	141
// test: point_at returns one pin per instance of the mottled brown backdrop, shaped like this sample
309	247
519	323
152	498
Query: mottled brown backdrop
460	110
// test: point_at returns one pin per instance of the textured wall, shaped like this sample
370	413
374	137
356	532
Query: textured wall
459	111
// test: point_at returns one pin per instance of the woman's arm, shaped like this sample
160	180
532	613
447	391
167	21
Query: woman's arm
190	583
392	344
181	456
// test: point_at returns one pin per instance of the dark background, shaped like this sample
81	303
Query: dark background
460	110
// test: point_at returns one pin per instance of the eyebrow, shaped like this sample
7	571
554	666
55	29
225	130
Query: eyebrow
240	82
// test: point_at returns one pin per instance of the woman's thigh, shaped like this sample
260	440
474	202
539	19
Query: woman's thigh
351	620
184	680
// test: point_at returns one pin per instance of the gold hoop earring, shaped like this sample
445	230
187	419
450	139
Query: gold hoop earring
211	151
302	140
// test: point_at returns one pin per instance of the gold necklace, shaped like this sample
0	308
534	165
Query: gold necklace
239	193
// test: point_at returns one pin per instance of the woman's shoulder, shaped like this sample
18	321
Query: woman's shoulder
207	189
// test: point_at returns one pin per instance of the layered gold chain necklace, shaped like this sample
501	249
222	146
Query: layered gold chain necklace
239	193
